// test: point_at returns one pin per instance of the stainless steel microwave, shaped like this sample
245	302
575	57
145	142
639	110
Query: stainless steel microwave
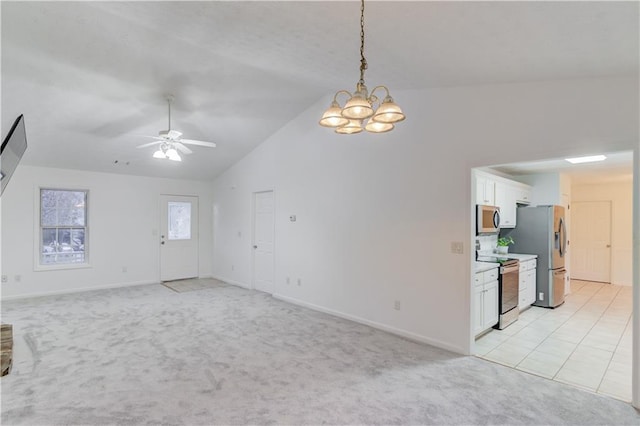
487	220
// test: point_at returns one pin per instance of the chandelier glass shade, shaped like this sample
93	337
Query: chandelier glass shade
167	151
362	105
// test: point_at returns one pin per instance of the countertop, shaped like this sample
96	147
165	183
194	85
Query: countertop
521	257
485	266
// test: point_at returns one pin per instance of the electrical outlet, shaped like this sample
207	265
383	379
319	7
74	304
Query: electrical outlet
5	279
288	280
541	296
457	247
299	281
124	269
396	305
233	268
17	278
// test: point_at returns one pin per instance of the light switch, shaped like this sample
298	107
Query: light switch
292	218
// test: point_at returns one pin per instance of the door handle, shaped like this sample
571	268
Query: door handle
255	247
162	242
608	245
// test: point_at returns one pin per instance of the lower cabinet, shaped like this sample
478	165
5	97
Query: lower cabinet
485	299
527	294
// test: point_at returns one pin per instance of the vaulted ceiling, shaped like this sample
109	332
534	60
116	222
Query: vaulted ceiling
91	77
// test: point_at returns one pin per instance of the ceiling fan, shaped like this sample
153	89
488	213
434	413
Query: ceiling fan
170	141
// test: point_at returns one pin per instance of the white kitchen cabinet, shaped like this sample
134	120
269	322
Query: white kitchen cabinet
478	303
505	199
485	299
522	194
485	190
527	294
504	193
531	287
490	304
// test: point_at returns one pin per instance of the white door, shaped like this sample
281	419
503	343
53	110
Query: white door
591	241
178	237
263	237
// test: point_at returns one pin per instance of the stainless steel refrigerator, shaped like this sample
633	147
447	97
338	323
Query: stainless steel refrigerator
541	230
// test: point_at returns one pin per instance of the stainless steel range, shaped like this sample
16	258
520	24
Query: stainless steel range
508	289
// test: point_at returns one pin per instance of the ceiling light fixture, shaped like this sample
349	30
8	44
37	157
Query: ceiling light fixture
167	151
361	105
587	159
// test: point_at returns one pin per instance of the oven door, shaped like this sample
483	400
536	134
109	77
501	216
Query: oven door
509	287
488	220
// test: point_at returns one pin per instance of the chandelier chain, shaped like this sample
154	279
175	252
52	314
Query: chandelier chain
363	61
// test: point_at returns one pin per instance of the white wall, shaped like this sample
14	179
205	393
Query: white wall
376	213
123	229
621	196
545	188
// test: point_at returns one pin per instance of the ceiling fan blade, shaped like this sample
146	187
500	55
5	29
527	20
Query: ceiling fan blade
149	144
152	137
182	148
200	143
174	134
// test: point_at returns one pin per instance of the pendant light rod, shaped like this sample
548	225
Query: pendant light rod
362	105
169	100
363	60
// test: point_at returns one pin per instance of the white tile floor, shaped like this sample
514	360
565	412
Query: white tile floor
586	342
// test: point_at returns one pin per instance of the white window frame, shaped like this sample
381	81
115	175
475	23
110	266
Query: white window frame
38	266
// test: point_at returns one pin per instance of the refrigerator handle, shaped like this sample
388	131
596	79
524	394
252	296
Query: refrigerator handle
563	238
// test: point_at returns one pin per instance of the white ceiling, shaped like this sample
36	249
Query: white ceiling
91	76
617	167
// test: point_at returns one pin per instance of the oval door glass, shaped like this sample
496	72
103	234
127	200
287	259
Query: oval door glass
179	220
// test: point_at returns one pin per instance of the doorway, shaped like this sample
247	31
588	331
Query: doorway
178	237
263	241
591	241
589	340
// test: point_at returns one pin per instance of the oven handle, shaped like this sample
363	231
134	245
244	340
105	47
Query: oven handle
509	269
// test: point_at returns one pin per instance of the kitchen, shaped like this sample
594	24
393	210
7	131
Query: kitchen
529	311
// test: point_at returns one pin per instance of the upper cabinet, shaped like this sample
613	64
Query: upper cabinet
504	193
485	190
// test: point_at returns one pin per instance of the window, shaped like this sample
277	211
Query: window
63	226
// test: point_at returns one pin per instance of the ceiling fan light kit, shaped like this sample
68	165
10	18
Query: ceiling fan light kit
170	142
362	105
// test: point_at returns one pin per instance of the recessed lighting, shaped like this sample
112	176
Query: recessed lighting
587	159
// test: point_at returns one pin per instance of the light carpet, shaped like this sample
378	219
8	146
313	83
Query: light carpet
227	355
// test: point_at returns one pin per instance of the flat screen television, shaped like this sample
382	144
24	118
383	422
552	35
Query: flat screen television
13	147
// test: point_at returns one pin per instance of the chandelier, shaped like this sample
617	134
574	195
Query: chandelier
362	105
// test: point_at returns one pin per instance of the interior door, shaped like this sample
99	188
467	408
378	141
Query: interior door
263	241
591	241
178	237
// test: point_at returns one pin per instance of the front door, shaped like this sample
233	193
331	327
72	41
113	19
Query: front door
591	241
178	237
263	237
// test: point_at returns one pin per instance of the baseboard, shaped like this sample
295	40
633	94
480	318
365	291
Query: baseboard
397	331
232	282
78	290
